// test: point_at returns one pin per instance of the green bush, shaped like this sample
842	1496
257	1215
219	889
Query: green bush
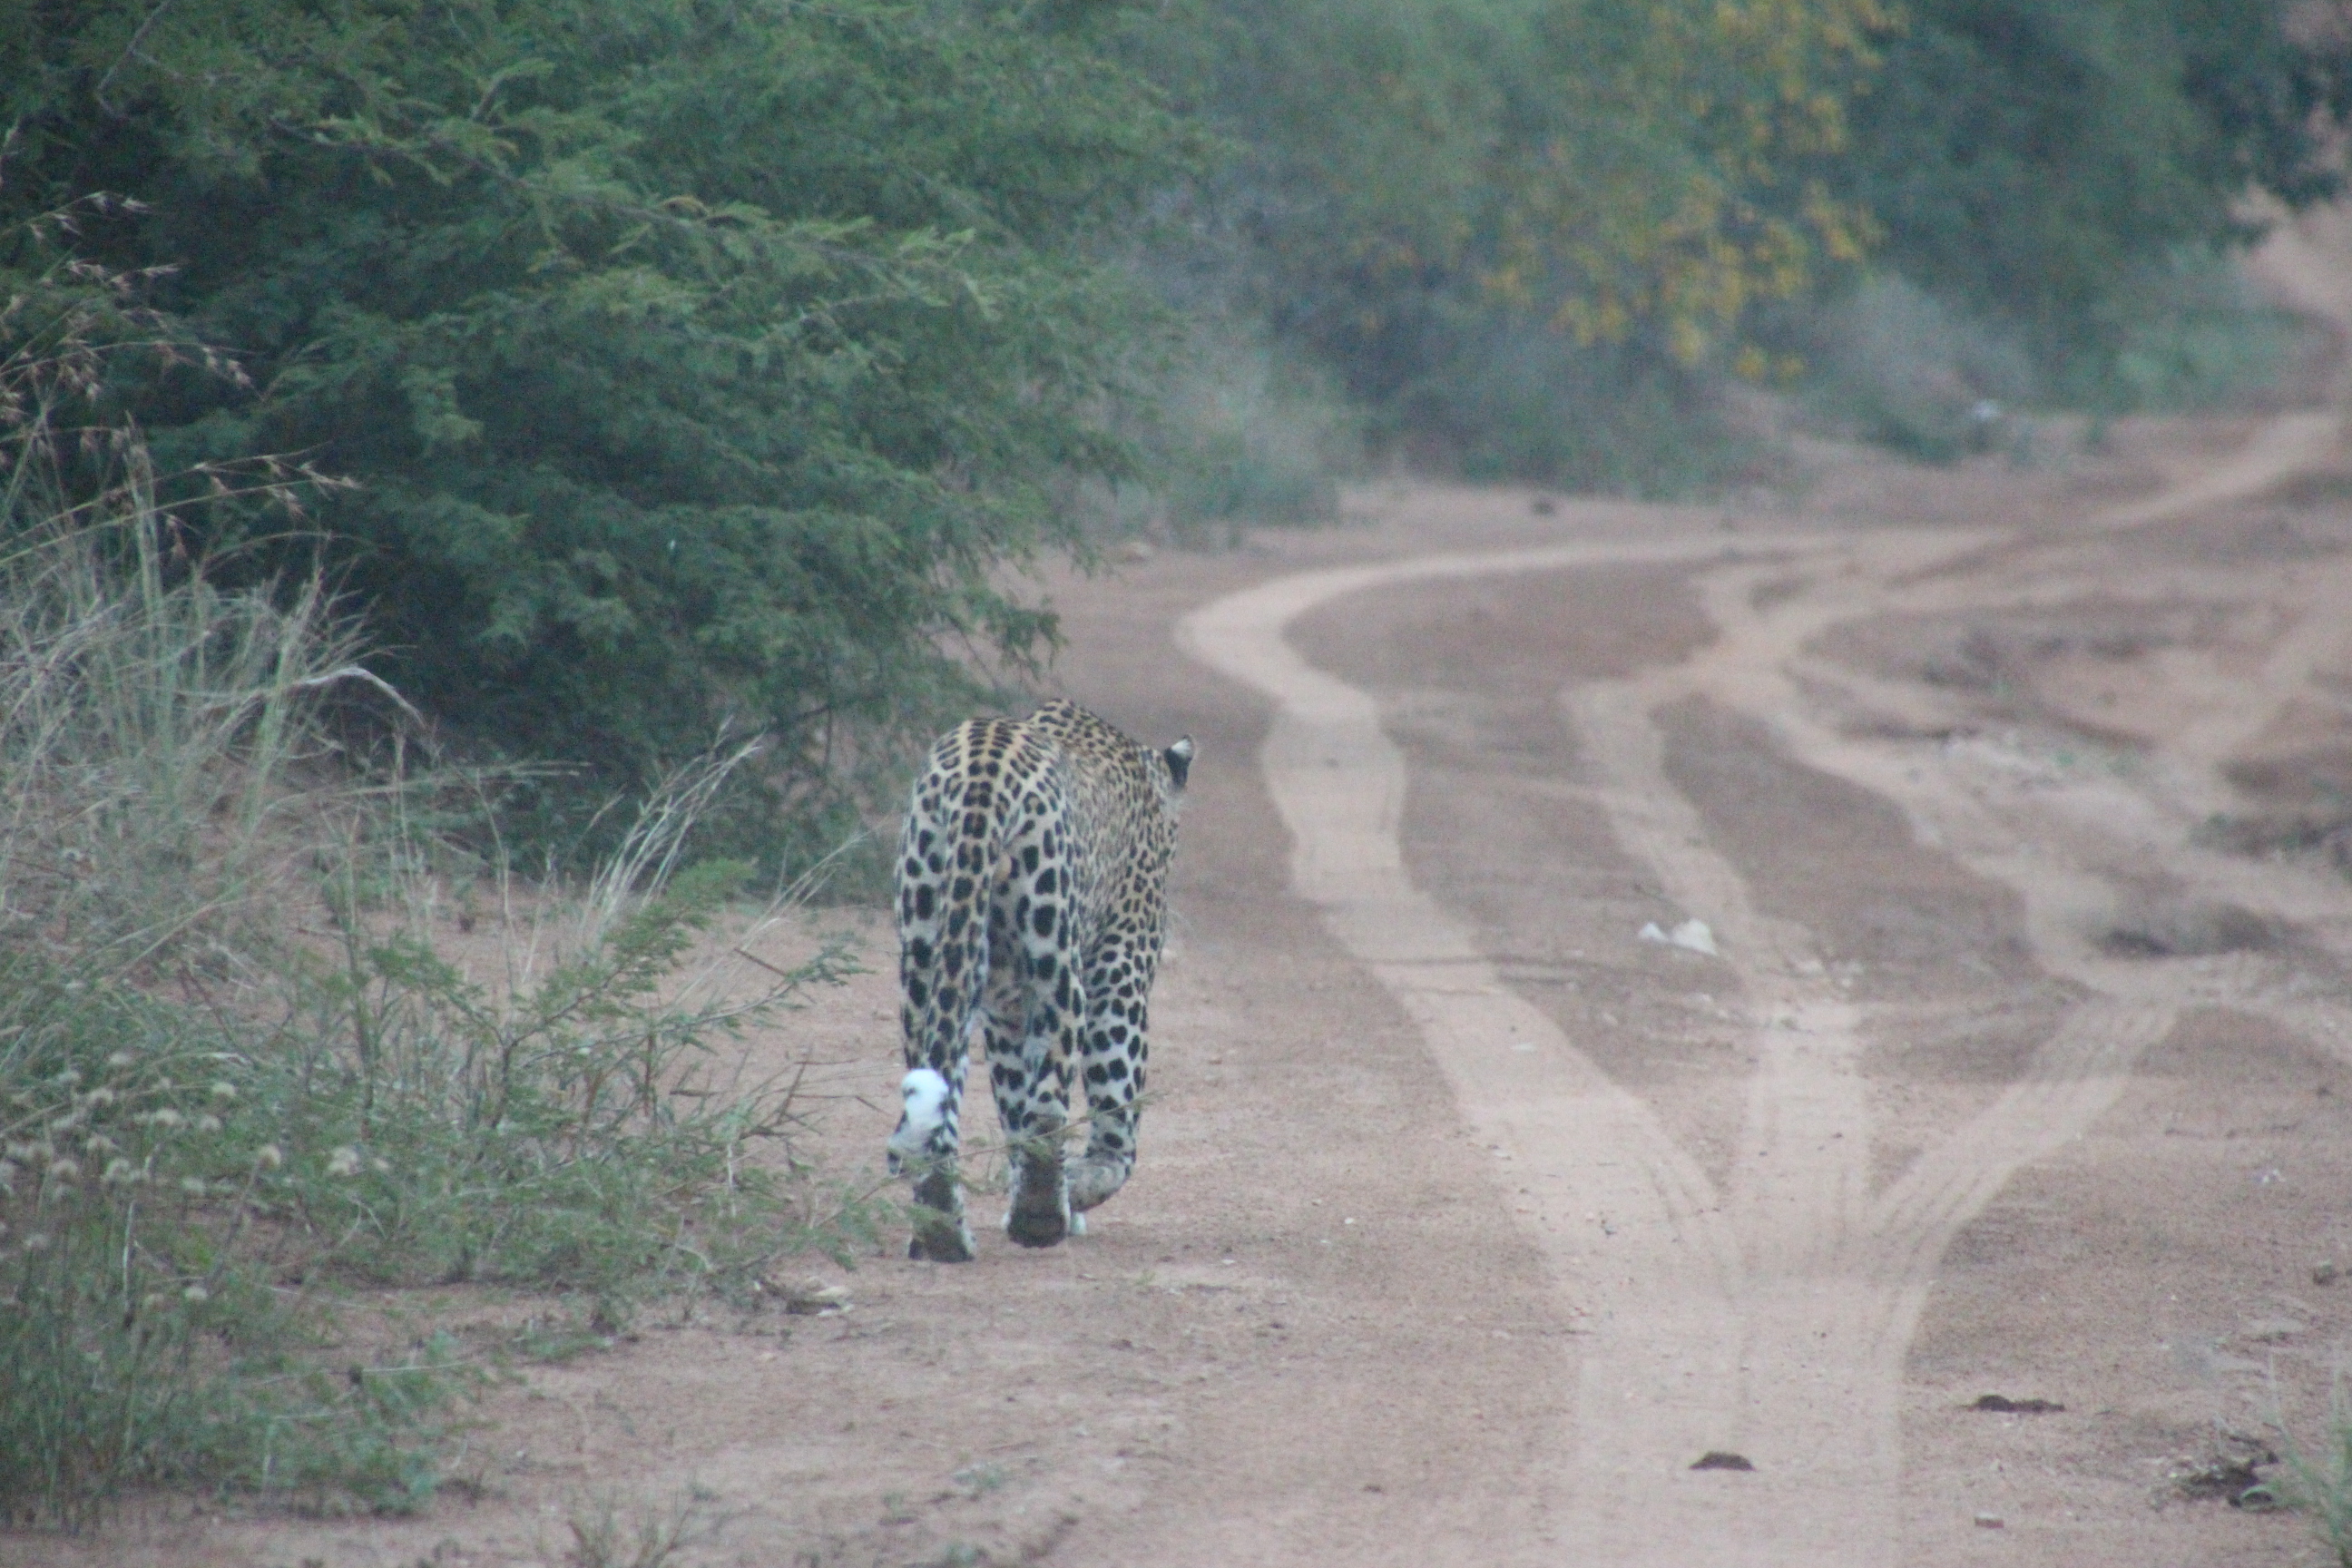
237	1077
2186	335
699	366
1505	398
184	1194
1524	239
188	1187
574	1129
1890	364
2316	1479
1534	240
143	1334
2047	166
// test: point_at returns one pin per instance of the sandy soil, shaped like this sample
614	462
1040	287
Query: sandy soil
1469	1221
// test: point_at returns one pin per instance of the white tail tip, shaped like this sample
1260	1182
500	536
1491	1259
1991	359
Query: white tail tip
925	1095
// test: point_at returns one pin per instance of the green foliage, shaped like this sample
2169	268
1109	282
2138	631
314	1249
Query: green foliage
576	1129
1525	234
699	365
2050	166
1665	166
148	730
2191	337
701	369
1891	363
216	1116
169	1173
609	1531
1531	236
180	1183
141	1336
2317	1479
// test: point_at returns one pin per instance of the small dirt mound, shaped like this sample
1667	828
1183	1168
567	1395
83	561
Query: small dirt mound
1722	1459
2001	1404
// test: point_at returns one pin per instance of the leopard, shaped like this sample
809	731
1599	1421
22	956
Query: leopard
1030	892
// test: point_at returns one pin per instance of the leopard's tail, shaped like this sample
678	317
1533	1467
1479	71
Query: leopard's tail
924	1095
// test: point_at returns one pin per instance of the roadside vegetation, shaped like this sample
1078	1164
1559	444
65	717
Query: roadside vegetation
446	437
706	372
243	1085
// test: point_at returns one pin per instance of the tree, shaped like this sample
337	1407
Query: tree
699	364
2030	160
1528	227
1669	169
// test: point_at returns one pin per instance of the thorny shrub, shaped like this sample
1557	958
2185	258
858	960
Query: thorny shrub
239	1078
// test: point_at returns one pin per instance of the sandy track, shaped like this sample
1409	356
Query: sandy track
1769	1319
1767	1316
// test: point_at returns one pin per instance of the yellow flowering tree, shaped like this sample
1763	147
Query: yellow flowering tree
1522	231
1681	178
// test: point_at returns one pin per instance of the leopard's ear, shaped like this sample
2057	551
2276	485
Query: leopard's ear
1178	758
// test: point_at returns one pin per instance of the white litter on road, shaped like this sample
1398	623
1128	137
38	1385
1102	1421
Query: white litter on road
1694	934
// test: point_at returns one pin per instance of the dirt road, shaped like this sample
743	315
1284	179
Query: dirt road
2015	1058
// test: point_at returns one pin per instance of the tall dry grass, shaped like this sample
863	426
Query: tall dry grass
241	1083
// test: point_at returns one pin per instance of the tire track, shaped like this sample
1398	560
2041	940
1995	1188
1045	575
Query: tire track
1771	1318
1770	1323
1809	1415
1834	1282
1708	1313
1803	1166
1626	1220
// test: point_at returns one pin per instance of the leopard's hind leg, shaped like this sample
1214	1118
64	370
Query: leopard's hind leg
1033	1039
925	1147
943	967
1116	1046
